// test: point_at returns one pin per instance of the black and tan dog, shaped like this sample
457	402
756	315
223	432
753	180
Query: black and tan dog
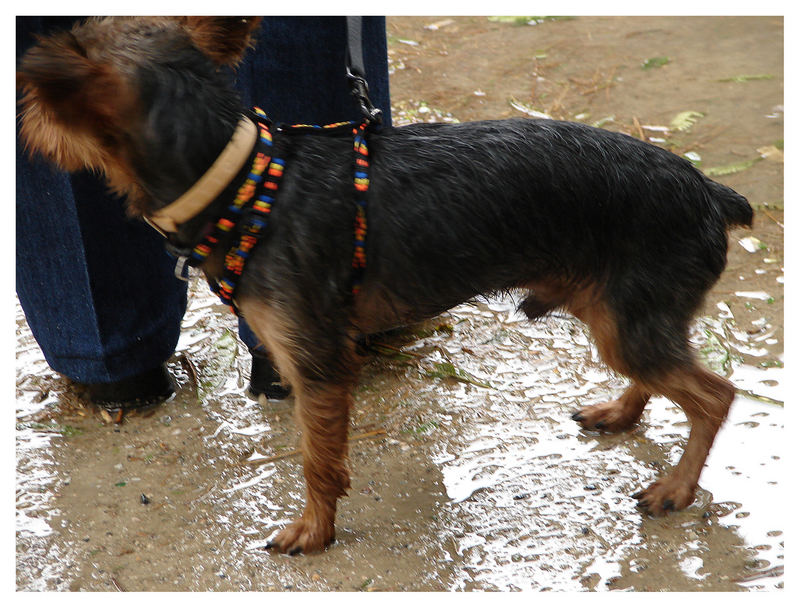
624	235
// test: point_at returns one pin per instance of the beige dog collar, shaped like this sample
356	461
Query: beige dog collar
211	184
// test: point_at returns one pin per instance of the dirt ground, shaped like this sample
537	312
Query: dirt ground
468	473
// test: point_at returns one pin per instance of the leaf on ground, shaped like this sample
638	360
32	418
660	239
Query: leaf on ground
439	24
603	121
747	78
517	105
516	20
448	370
716	357
655	62
752	244
225	349
685	120
771	153
520	20
692	156
730	169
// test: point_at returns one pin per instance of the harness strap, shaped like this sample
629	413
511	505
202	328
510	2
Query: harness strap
361	184
249	212
246	193
252	225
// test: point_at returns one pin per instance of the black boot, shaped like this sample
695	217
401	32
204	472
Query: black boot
264	379
136	393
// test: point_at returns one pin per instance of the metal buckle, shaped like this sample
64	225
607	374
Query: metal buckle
182	255
182	268
360	91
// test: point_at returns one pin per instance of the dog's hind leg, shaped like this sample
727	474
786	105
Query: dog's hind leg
705	399
654	351
617	415
611	416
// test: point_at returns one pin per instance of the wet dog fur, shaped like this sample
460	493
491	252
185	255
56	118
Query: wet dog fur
622	234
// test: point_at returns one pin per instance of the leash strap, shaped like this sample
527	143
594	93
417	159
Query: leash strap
357	73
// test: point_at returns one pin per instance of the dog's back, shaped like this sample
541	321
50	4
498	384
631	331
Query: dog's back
484	207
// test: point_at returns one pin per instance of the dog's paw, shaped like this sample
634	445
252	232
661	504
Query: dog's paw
303	536
665	495
610	417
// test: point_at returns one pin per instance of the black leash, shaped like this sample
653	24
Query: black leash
356	73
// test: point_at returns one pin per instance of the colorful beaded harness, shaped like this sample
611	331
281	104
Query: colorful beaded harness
252	205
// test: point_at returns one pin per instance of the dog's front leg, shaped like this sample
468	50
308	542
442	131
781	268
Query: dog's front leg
322	368
323	412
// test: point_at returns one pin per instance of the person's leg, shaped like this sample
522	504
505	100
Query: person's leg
296	74
96	287
296	71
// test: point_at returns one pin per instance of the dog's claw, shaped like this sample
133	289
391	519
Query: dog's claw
268	546
664	496
303	536
578	417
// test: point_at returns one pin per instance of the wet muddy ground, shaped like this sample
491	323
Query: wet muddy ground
467	471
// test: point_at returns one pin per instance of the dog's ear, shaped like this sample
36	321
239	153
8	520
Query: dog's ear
223	39
77	91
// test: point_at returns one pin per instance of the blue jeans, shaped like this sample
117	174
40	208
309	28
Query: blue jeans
97	288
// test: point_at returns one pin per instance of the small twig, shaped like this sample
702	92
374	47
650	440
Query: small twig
639	128
600	539
290	453
368	434
761	398
117	584
610	83
190	367
378	346
557	102
192	373
699	143
774	571
767	213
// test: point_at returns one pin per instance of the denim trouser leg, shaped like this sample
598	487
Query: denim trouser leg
97	288
296	72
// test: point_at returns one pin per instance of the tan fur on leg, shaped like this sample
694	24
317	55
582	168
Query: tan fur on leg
322	411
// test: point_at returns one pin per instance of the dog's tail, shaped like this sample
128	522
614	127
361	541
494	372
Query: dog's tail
735	209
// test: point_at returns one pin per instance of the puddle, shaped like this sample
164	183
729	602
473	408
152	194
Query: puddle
467	471
535	499
515	496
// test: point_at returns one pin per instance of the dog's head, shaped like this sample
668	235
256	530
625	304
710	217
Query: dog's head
129	97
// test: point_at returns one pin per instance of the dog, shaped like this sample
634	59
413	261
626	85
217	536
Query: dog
624	235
